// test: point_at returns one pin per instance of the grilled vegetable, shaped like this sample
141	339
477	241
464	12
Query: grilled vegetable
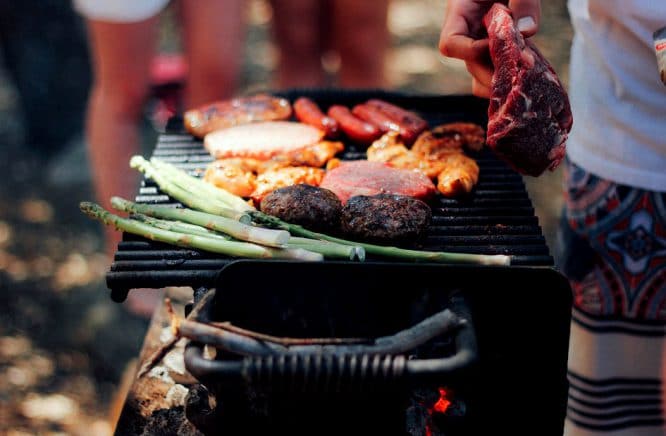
214	245
233	228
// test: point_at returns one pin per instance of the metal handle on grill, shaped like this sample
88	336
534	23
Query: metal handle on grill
336	367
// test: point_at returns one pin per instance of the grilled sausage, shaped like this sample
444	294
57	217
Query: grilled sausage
233	112
355	128
375	117
308	112
411	125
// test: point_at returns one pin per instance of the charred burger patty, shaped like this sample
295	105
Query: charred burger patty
385	218
309	206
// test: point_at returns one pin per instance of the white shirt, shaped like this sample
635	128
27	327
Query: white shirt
618	101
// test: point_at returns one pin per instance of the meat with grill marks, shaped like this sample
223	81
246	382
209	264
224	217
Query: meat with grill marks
385	218
312	207
207	118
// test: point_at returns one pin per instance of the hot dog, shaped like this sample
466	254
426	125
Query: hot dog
411	125
355	128
375	117
308	112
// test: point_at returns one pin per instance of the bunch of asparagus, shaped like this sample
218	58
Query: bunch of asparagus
217	221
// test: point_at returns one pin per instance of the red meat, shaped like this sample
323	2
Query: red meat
371	178
529	117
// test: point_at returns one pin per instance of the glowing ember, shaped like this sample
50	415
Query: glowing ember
443	403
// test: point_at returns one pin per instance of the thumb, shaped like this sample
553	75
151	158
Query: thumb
527	14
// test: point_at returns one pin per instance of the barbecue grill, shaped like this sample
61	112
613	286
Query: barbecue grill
501	377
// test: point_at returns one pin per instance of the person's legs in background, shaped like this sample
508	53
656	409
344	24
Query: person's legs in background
121	55
297	33
361	38
213	40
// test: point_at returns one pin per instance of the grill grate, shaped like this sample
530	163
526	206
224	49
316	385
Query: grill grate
497	219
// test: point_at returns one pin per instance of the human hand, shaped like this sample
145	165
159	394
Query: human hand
464	36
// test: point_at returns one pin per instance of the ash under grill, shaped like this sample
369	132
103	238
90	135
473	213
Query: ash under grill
498	218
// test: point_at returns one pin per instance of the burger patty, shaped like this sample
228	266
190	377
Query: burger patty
309	206
363	177
385	218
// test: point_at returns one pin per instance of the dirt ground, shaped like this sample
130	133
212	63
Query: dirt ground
64	345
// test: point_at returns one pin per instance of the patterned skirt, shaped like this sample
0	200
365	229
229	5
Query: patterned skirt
614	242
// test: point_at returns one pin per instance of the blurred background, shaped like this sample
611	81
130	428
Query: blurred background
64	345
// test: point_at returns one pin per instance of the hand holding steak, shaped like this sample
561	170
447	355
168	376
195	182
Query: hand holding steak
529	113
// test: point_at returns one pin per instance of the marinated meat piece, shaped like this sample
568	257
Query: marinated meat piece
315	155
529	117
459	175
449	138
261	140
271	180
242	110
233	175
314	208
389	149
385	218
370	178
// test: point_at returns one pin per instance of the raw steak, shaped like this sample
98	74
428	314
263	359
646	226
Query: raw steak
370	178
529	114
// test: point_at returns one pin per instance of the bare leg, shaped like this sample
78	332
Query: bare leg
213	36
121	55
296	30
361	37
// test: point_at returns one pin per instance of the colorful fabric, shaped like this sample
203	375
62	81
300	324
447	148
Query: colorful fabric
614	240
619	247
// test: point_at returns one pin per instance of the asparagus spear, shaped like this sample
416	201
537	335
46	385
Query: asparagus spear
206	243
230	248
231	227
180	227
329	250
401	253
189	183
186	196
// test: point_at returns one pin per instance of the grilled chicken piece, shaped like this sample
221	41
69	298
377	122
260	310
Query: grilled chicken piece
449	138
456	173
389	149
234	175
459	175
271	180
315	155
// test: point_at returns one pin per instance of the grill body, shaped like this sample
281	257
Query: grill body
516	383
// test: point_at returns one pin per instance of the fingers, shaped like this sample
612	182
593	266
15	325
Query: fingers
458	39
527	14
482	76
480	90
463	47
